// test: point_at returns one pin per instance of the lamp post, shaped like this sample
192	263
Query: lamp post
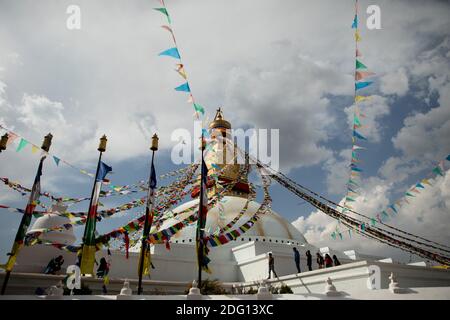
148	212
28	214
88	236
3	142
200	222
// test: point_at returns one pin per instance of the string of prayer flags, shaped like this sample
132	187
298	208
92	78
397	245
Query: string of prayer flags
361	73
174	52
34	148
410	193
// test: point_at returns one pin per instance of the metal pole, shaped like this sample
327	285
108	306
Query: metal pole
90	204
200	223
24	217
147	226
5	281
27	216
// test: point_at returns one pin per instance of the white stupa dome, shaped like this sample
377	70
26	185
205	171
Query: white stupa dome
271	226
52	220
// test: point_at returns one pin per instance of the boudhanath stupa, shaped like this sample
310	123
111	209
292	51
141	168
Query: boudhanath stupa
238	264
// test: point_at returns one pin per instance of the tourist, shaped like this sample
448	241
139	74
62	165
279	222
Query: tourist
271	265
309	260
319	260
336	261
297	259
103	268
54	265
328	261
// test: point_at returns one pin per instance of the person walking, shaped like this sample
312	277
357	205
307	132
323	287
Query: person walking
103	268
309	260
328	261
319	260
272	265
336	261
297	259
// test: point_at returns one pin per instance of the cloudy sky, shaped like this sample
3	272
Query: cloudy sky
283	65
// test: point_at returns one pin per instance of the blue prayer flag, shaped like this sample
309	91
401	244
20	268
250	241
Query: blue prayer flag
172	52
355	22
184	87
360	85
102	171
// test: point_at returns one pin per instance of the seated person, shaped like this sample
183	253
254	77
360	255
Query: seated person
54	265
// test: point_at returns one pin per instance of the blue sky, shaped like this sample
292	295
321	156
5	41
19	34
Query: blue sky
285	66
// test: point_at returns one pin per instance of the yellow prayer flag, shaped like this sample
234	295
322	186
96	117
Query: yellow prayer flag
361	98
88	259
357	36
34	149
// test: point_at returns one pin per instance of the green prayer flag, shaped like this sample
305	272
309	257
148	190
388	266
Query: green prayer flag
22	144
360	65
164	11
436	170
356	120
199	108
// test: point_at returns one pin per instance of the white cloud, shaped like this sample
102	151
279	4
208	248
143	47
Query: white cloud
426	215
395	83
41	113
426	135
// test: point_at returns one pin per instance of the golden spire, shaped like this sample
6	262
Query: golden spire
219	122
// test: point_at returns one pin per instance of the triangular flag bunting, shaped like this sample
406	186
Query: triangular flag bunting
361	98
199	108
184	87
172	52
362	74
56	160
438	171
34	149
22	144
359	136
360	85
360	65
163	11
181	72
355	22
